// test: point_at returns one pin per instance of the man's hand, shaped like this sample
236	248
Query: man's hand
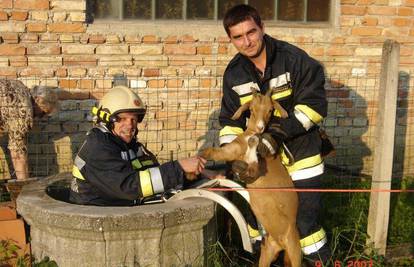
193	164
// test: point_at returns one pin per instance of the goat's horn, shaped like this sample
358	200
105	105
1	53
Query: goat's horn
241	109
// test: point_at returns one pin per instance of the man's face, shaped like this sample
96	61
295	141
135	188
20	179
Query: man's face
126	126
247	37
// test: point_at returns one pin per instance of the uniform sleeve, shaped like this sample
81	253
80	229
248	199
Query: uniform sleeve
105	169
229	104
310	105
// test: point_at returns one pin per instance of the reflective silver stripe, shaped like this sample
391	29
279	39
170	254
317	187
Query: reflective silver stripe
314	247
102	127
156	180
269	146
225	139
280	80
78	162
124	155
308	172
303	119
245	88
132	154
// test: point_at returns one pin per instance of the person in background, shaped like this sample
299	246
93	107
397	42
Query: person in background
297	82
112	168
18	107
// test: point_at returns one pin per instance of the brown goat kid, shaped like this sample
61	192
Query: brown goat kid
276	211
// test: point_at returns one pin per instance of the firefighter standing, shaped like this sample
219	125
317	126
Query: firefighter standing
18	107
297	81
112	168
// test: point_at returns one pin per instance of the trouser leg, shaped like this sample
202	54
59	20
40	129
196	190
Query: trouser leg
313	237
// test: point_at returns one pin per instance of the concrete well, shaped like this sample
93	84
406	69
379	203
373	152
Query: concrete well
176	233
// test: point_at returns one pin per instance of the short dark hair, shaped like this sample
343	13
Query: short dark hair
238	14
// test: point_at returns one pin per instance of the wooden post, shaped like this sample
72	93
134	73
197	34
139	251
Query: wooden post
378	216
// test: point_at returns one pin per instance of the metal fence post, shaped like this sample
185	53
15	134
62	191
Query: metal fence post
378	216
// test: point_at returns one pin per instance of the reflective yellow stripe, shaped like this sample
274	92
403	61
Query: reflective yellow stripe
314	116
229	130
277	113
252	232
77	174
313	238
281	94
145	181
147	163
245	99
301	164
136	164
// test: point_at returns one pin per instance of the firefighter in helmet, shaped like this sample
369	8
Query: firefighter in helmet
112	168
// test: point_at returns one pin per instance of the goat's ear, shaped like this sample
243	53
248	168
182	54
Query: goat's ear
282	111
240	111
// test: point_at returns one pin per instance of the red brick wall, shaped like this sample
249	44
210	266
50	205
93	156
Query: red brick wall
48	42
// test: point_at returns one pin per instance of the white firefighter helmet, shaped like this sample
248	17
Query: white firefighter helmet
119	99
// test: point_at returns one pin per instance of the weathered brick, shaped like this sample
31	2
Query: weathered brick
188	39
405	11
366	31
97	39
36	27
47	61
381	10
39	15
12	50
222	49
401	22
103	83
31	4
353	10
170	39
80	49
4	62
70	84
223	39
77	16
204	49
207	83
347	21
113	39
13	26
43	49
77	72
84	60
125	60
6	3
132	39
179	49
184	61
3	16
29	38
369	21
49	37
86	84
317	51
112	49
133	72
68	5
360	51
10	37
202	71
150	39
19	61
8	72
159	83
59	16
36	72
19	15
174	83
146	49
138	84
151	72
66	38
150	61
67	27
61	72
